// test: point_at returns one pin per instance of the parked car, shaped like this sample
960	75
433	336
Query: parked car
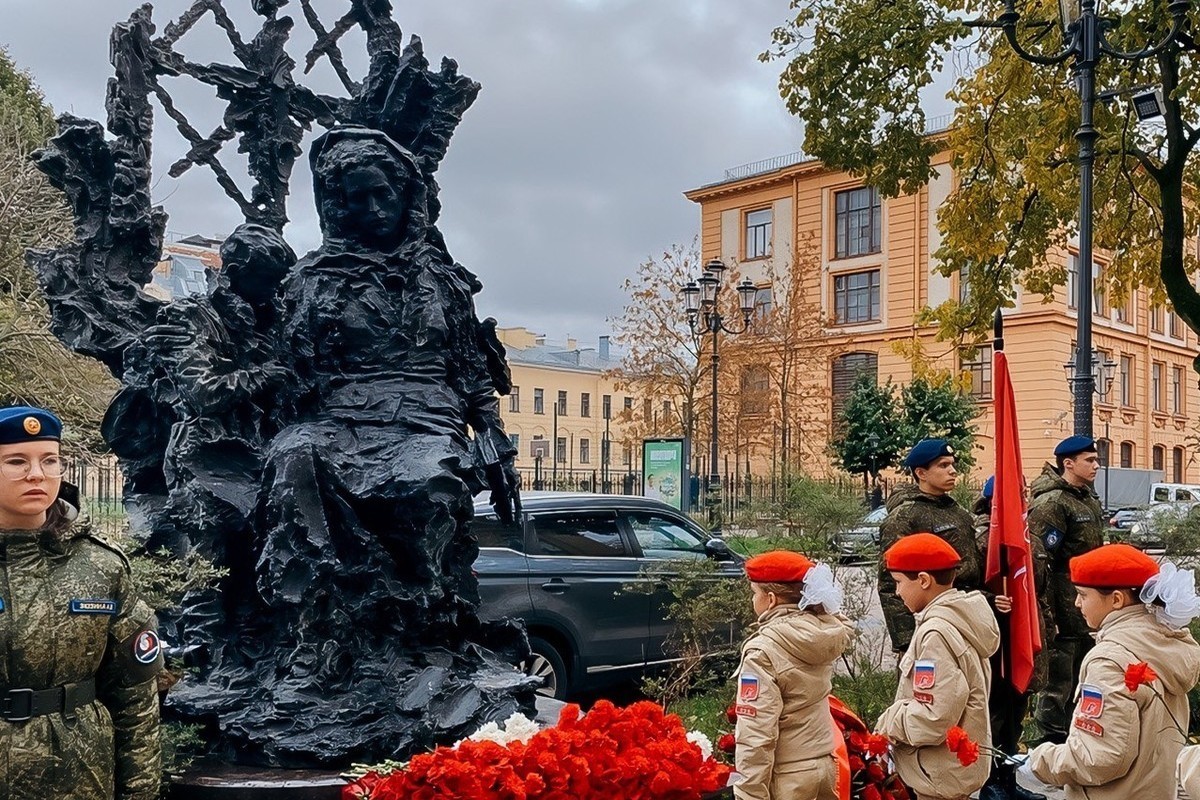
1124	518
564	569
861	541
1148	530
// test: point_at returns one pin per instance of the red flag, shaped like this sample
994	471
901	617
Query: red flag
1009	556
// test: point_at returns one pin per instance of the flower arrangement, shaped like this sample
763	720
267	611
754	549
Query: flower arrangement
967	750
637	752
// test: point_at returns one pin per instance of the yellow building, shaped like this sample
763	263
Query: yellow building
562	411
866	264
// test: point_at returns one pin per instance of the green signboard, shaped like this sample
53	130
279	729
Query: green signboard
664	471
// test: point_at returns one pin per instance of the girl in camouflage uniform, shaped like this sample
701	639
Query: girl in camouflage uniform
78	651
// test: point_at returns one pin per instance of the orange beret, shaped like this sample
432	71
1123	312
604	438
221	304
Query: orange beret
921	552
1113	566
778	566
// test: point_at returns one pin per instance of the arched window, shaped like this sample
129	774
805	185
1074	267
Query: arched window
1159	458
845	371
1177	475
1126	455
1103	447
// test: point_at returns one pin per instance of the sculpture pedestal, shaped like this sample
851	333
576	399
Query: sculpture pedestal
212	781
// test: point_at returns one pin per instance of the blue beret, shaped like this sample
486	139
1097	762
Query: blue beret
27	424
1073	445
926	452
989	486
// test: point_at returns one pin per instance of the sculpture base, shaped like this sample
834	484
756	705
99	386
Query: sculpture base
213	781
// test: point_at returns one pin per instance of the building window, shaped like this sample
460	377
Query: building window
1158	457
758	233
515	438
539	401
1126	455
1124	312
647	410
756	391
1126	380
562	404
1157	385
980	370
514	400
1156	319
666	411
764	301
585	451
585	404
1177	465
1177	378
560	449
857	222
1099	293
627	455
1073	281
856	297
629	404
1174	326
1102	451
606	406
845	371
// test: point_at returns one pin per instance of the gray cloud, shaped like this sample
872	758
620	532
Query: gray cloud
594	116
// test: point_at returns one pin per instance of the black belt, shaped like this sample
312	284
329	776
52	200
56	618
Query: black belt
19	705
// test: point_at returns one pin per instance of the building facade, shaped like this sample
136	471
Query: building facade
565	415
866	263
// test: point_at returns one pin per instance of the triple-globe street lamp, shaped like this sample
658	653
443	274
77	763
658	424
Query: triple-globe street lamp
701	299
1085	42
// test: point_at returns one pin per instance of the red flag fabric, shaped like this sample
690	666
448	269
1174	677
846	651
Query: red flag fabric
1009	556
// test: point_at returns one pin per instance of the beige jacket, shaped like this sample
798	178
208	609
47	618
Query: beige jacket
944	679
784	728
1124	744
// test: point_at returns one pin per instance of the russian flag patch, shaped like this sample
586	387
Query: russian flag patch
748	689
924	674
1091	701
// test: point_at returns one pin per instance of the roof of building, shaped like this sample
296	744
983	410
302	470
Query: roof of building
587	359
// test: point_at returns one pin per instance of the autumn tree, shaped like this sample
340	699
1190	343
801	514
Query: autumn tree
35	368
854	72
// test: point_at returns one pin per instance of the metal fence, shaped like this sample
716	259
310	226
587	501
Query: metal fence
101	488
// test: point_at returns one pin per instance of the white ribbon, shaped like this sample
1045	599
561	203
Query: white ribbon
1176	589
820	589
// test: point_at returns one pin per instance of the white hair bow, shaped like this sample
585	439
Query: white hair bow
820	589
1176	589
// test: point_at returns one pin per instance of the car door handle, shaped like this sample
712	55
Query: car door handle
556	586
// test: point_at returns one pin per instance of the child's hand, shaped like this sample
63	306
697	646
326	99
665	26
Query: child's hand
1003	603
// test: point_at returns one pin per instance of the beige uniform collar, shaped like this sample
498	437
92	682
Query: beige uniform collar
1117	619
941	599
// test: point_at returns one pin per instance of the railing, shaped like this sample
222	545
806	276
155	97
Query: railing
101	488
935	124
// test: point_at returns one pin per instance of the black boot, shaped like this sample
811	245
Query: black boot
998	784
1017	791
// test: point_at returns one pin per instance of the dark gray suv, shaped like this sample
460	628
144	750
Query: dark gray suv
563	571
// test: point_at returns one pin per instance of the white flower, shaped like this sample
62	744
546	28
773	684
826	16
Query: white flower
517	728
703	742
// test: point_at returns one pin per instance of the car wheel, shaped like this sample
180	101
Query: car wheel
547	664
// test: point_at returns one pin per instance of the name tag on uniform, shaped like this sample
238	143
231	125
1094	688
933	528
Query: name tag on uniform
943	528
93	606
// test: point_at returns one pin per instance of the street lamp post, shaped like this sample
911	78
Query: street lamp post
1085	42
1100	377
701	301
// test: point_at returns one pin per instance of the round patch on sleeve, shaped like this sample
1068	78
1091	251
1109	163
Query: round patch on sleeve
146	647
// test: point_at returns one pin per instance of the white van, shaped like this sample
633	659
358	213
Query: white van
1174	493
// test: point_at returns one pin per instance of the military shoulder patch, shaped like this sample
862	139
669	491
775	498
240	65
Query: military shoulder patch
924	698
745	711
93	606
1052	538
747	688
924	674
146	647
1091	701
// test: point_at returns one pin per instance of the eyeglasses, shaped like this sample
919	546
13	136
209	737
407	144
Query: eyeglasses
18	469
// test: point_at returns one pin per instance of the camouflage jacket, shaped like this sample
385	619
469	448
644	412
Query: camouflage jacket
911	511
1068	519
70	615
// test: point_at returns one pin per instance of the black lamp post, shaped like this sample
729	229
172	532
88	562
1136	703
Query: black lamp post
701	300
1085	42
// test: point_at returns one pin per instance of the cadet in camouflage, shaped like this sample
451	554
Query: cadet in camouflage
926	507
1065	515
79	717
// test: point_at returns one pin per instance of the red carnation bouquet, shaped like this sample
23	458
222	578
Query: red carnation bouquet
638	752
871	775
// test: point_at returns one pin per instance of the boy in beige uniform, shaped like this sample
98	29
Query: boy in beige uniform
786	736
1123	741
945	673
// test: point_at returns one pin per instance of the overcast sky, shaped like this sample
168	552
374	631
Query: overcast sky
595	116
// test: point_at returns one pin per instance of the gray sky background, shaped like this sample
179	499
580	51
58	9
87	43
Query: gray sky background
566	173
